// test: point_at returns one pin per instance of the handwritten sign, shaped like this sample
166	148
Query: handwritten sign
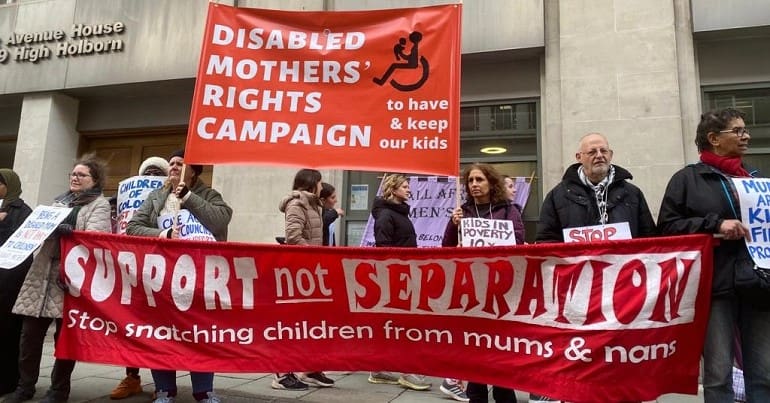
754	195
35	229
189	226
486	232
131	194
595	233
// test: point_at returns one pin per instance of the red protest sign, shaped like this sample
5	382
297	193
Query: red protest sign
607	321
371	90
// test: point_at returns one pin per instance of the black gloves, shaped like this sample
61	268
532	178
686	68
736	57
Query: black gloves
64	229
182	193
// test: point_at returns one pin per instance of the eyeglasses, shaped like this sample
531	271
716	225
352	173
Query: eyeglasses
740	131
592	153
79	175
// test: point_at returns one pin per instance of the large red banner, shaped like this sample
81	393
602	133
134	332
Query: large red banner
343	89
609	321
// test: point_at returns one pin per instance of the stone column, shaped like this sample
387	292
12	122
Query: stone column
46	146
626	69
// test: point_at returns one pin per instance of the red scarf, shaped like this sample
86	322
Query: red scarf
732	166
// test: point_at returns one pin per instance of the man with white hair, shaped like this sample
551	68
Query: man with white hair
593	192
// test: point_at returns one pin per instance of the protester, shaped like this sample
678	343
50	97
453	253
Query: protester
132	383
593	192
41	296
510	188
393	228
328	198
208	207
488	198
303	226
13	212
701	198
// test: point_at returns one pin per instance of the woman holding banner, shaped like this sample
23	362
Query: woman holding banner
303	226
487	198
702	198
41	297
13	212
393	228
207	206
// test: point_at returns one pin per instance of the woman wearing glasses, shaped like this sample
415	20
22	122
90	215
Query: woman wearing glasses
41	298
700	198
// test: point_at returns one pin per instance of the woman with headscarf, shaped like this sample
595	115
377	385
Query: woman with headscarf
701	198
41	298
13	212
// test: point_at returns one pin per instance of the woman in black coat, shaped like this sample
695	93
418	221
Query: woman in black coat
13	212
392	226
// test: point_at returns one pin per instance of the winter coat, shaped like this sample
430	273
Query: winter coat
696	201
11	280
500	211
41	295
203	202
328	217
573	204
392	226
303	218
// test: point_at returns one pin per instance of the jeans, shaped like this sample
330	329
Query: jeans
166	381
728	315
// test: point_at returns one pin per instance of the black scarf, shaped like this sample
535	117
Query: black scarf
76	201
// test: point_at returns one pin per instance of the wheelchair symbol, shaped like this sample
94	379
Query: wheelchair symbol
412	60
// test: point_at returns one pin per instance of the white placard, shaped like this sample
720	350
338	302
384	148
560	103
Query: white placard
596	233
486	232
189	226
30	235
131	194
754	195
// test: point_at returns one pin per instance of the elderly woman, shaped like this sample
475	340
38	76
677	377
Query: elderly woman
700	198
13	212
206	205
41	298
487	197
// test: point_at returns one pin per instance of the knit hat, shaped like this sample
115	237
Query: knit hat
180	153
156	162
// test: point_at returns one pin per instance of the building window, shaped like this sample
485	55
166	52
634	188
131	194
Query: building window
508	126
755	103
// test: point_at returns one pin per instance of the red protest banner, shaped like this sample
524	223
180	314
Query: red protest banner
610	321
369	90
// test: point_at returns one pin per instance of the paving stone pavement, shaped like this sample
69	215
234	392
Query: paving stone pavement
93	383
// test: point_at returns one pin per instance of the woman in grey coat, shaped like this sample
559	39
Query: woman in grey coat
41	298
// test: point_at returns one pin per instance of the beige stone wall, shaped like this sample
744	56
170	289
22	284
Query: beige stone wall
621	68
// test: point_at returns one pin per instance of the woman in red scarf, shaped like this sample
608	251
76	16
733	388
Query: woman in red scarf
701	198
